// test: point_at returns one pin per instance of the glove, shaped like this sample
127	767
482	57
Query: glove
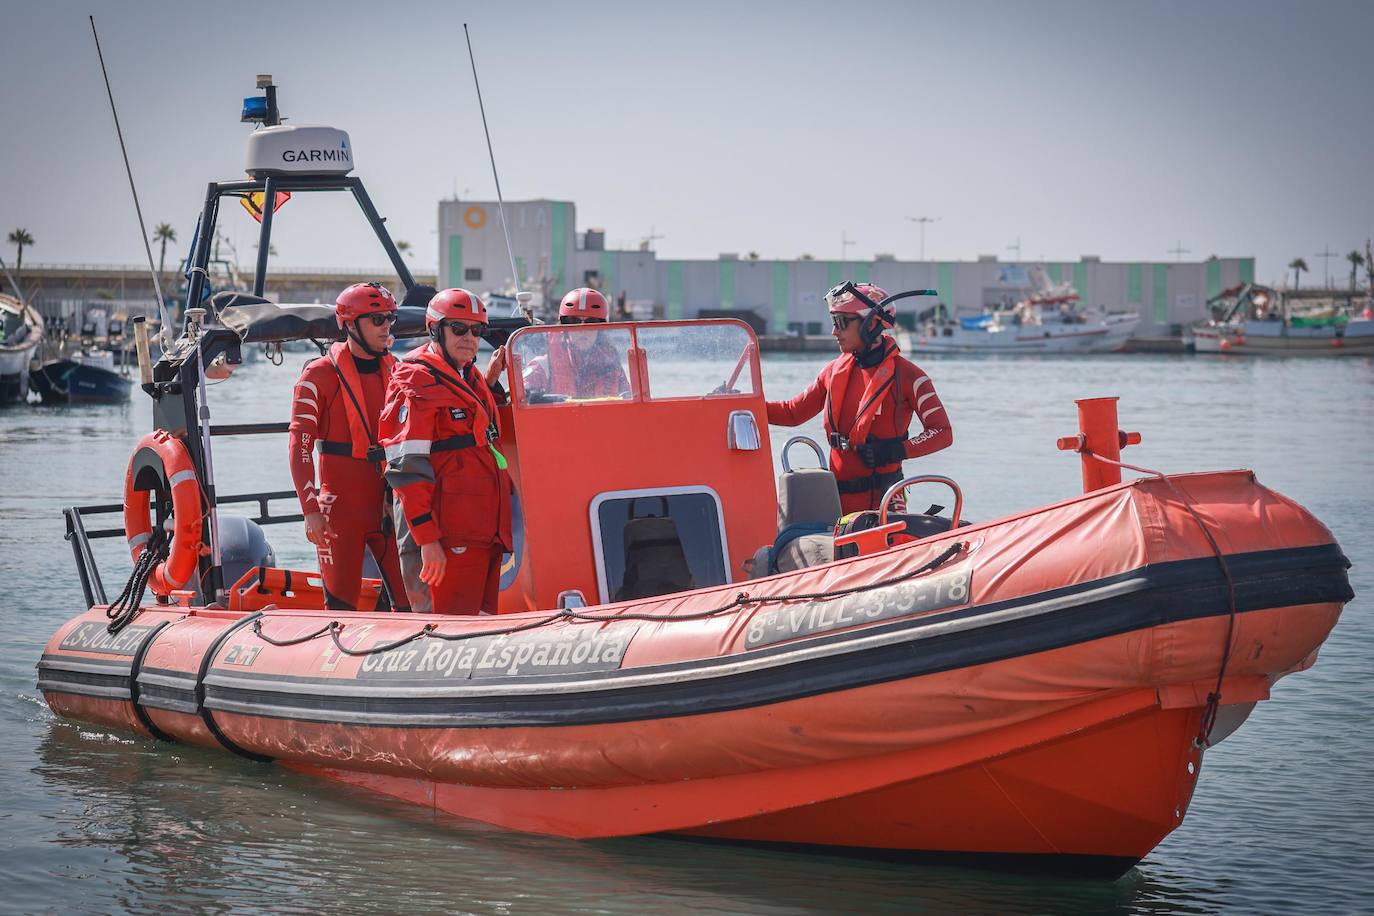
877	454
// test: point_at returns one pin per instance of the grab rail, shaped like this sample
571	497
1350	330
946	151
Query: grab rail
924	478
805	440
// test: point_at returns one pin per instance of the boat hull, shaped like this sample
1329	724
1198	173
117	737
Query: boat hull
1273	338
1094	337
1034	690
68	382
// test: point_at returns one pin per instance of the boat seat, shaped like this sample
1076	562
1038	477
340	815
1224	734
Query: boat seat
655	563
807	496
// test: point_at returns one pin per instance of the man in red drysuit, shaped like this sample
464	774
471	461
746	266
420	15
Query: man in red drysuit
335	407
580	364
440	428
870	394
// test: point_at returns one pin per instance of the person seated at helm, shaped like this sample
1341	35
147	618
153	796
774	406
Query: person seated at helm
334	407
579	364
870	394
439	428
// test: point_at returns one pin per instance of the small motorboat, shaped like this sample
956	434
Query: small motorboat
86	377
21	331
685	644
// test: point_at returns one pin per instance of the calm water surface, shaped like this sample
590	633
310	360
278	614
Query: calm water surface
1282	820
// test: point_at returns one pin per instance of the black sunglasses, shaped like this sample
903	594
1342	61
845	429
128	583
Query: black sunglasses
460	329
843	321
382	319
572	319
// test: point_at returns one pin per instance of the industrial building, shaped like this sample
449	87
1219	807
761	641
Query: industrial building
552	256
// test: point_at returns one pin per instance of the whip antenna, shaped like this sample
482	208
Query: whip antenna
521	299
142	228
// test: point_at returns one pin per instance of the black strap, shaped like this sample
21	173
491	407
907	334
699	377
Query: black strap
135	692
335	448
871	482
453	443
205	715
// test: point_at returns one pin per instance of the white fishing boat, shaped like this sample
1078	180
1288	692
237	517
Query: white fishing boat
1034	326
1254	320
21	331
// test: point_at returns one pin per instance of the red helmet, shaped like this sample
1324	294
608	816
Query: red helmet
363	299
584	303
842	300
454	303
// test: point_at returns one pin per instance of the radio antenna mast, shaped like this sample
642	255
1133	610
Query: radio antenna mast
142	228
522	299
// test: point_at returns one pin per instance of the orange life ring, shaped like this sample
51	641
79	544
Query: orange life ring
475	217
180	473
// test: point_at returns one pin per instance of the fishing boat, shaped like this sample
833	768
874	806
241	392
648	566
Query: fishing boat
685	645
1254	320
1047	321
21	331
85	377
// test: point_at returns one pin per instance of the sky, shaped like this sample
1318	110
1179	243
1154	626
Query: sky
1116	129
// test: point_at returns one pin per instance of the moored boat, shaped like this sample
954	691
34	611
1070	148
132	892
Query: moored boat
86	377
1037	690
1254	320
21	331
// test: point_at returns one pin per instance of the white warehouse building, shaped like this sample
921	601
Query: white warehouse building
786	296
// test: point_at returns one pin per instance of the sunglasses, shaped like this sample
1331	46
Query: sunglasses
571	319
380	320
460	328
843	321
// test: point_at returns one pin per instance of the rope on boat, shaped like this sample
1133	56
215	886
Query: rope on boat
1209	712
124	608
743	599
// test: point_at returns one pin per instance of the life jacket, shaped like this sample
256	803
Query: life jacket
362	429
882	387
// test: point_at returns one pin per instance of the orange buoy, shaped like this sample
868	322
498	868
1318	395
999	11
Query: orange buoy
180	475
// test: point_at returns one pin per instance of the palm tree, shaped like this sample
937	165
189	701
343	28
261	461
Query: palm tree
1356	259
1297	265
164	233
20	238
403	247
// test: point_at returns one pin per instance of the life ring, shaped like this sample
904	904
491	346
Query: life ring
179	474
475	217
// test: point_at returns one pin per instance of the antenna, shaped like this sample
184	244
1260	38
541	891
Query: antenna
1179	250
18	293
1016	248
521	299
923	220
1326	257
845	242
166	332
647	242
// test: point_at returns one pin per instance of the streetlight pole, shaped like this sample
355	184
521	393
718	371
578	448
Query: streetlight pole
922	220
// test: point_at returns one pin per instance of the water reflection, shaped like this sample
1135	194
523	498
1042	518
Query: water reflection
193	829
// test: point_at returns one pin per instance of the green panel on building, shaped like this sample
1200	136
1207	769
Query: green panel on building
1161	294
834	274
1133	284
1247	270
860	272
674	289
559	243
455	262
780	297
607	268
1213	277
945	286
1056	272
727	284
1080	283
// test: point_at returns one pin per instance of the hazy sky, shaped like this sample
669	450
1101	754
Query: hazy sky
1108	128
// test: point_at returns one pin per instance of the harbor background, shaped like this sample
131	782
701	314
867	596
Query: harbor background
96	821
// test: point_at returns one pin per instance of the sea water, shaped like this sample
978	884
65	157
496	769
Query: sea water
1282	819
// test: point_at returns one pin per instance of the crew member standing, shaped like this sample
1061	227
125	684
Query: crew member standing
335	406
870	394
579	364
440	428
